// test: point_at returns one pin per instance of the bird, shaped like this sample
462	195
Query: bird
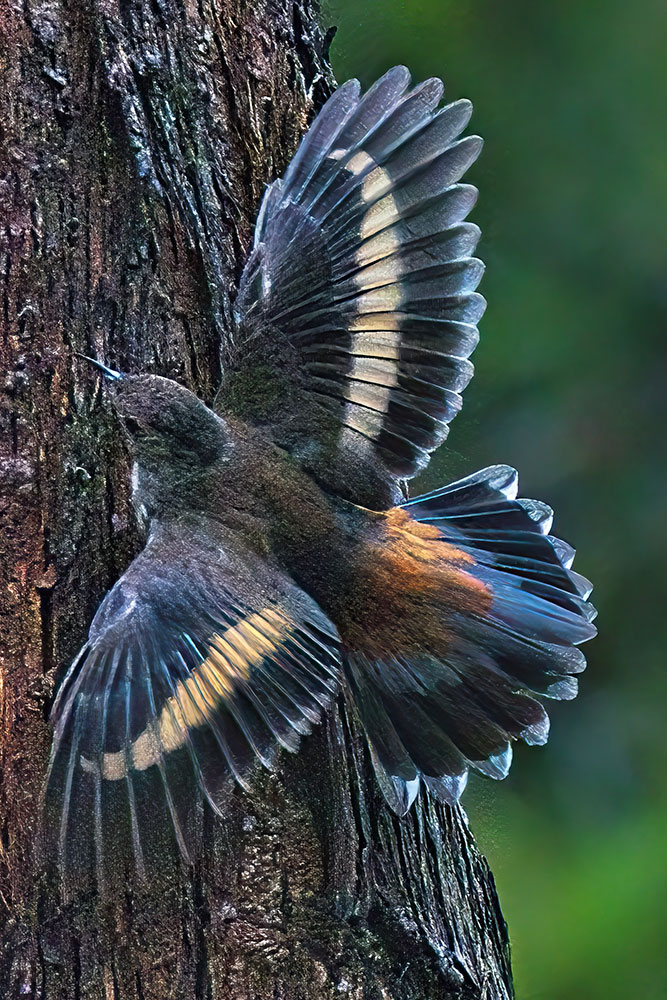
285	559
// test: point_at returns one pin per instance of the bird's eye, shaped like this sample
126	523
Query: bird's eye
132	425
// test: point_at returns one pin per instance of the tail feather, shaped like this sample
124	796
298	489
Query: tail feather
463	710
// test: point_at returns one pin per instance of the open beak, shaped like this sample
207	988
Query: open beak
107	372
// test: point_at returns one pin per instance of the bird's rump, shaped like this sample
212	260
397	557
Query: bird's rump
404	583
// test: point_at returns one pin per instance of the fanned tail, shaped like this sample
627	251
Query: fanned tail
431	719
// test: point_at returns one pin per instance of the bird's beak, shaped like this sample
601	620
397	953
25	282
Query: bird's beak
107	372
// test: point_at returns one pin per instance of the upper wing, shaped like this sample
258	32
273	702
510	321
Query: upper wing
202	659
361	284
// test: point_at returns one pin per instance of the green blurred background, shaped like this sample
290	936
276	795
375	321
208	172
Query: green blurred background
571	388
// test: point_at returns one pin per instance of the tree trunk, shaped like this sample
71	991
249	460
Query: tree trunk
137	136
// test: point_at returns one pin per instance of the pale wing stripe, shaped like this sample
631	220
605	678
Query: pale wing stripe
232	656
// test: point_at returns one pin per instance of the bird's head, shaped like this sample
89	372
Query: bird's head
174	438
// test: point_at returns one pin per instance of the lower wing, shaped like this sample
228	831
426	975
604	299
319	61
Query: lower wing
201	661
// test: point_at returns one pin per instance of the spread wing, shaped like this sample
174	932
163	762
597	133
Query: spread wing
202	660
360	289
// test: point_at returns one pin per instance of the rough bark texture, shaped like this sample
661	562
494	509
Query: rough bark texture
136	137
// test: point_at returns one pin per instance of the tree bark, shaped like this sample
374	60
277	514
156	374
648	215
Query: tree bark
137	136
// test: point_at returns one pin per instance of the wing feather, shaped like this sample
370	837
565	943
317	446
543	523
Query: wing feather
361	251
201	662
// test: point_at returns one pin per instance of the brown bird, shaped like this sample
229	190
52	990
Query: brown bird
283	560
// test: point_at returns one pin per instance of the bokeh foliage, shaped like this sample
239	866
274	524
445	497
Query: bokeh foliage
571	388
